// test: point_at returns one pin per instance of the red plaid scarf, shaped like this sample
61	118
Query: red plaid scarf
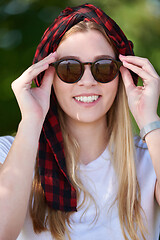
59	192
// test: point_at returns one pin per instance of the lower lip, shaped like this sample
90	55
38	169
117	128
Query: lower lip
88	104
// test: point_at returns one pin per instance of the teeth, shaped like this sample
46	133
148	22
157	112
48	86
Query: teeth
87	99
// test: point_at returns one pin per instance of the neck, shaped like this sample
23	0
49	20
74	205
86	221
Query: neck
92	138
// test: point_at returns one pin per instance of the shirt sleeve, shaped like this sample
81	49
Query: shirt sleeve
5	145
144	164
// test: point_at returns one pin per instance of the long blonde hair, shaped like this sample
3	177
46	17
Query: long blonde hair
128	198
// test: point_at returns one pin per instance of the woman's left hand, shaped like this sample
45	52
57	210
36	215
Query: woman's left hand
143	100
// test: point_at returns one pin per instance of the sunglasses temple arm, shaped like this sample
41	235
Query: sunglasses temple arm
119	64
53	64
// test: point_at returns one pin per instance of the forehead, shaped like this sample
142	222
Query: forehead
85	46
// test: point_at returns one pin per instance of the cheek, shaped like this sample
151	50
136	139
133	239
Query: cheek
110	93
115	87
112	88
57	89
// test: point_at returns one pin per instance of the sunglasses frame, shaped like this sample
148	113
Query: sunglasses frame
82	64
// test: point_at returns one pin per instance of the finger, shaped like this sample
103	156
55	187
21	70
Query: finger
30	74
144	63
33	71
44	62
127	79
139	71
49	59
48	79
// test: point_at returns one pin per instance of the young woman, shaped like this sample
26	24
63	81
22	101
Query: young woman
92	180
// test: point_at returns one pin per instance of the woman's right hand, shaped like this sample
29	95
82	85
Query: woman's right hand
16	174
34	102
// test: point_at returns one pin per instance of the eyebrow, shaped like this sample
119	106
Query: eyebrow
95	58
104	56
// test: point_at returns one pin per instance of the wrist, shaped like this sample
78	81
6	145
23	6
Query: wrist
31	129
150	127
147	120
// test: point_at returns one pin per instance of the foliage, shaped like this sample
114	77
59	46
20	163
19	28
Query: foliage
23	23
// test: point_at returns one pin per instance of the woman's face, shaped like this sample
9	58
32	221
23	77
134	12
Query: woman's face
87	47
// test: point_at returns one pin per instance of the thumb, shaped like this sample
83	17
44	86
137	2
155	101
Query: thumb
127	79
48	79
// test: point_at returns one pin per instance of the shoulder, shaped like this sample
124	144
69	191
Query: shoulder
5	145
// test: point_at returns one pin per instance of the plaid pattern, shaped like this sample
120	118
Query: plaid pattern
59	192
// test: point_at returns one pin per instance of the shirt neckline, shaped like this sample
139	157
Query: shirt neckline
98	162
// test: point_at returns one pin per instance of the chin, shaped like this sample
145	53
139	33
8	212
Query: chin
87	119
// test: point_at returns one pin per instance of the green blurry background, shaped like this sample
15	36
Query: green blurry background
22	23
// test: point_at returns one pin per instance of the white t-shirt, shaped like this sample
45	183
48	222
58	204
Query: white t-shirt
99	179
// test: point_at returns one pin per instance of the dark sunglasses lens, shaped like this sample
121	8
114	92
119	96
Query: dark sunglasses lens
69	70
105	70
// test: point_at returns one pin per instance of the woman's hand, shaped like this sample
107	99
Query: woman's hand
16	173
143	100
34	102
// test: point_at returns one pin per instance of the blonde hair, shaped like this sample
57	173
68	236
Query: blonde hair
128	198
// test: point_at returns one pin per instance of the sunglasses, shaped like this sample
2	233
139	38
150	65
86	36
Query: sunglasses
71	70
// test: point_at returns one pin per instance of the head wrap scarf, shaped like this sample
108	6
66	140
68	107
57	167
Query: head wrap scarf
59	193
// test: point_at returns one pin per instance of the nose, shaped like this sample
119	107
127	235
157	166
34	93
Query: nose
87	78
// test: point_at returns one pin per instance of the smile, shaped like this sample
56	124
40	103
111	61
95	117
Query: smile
87	99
